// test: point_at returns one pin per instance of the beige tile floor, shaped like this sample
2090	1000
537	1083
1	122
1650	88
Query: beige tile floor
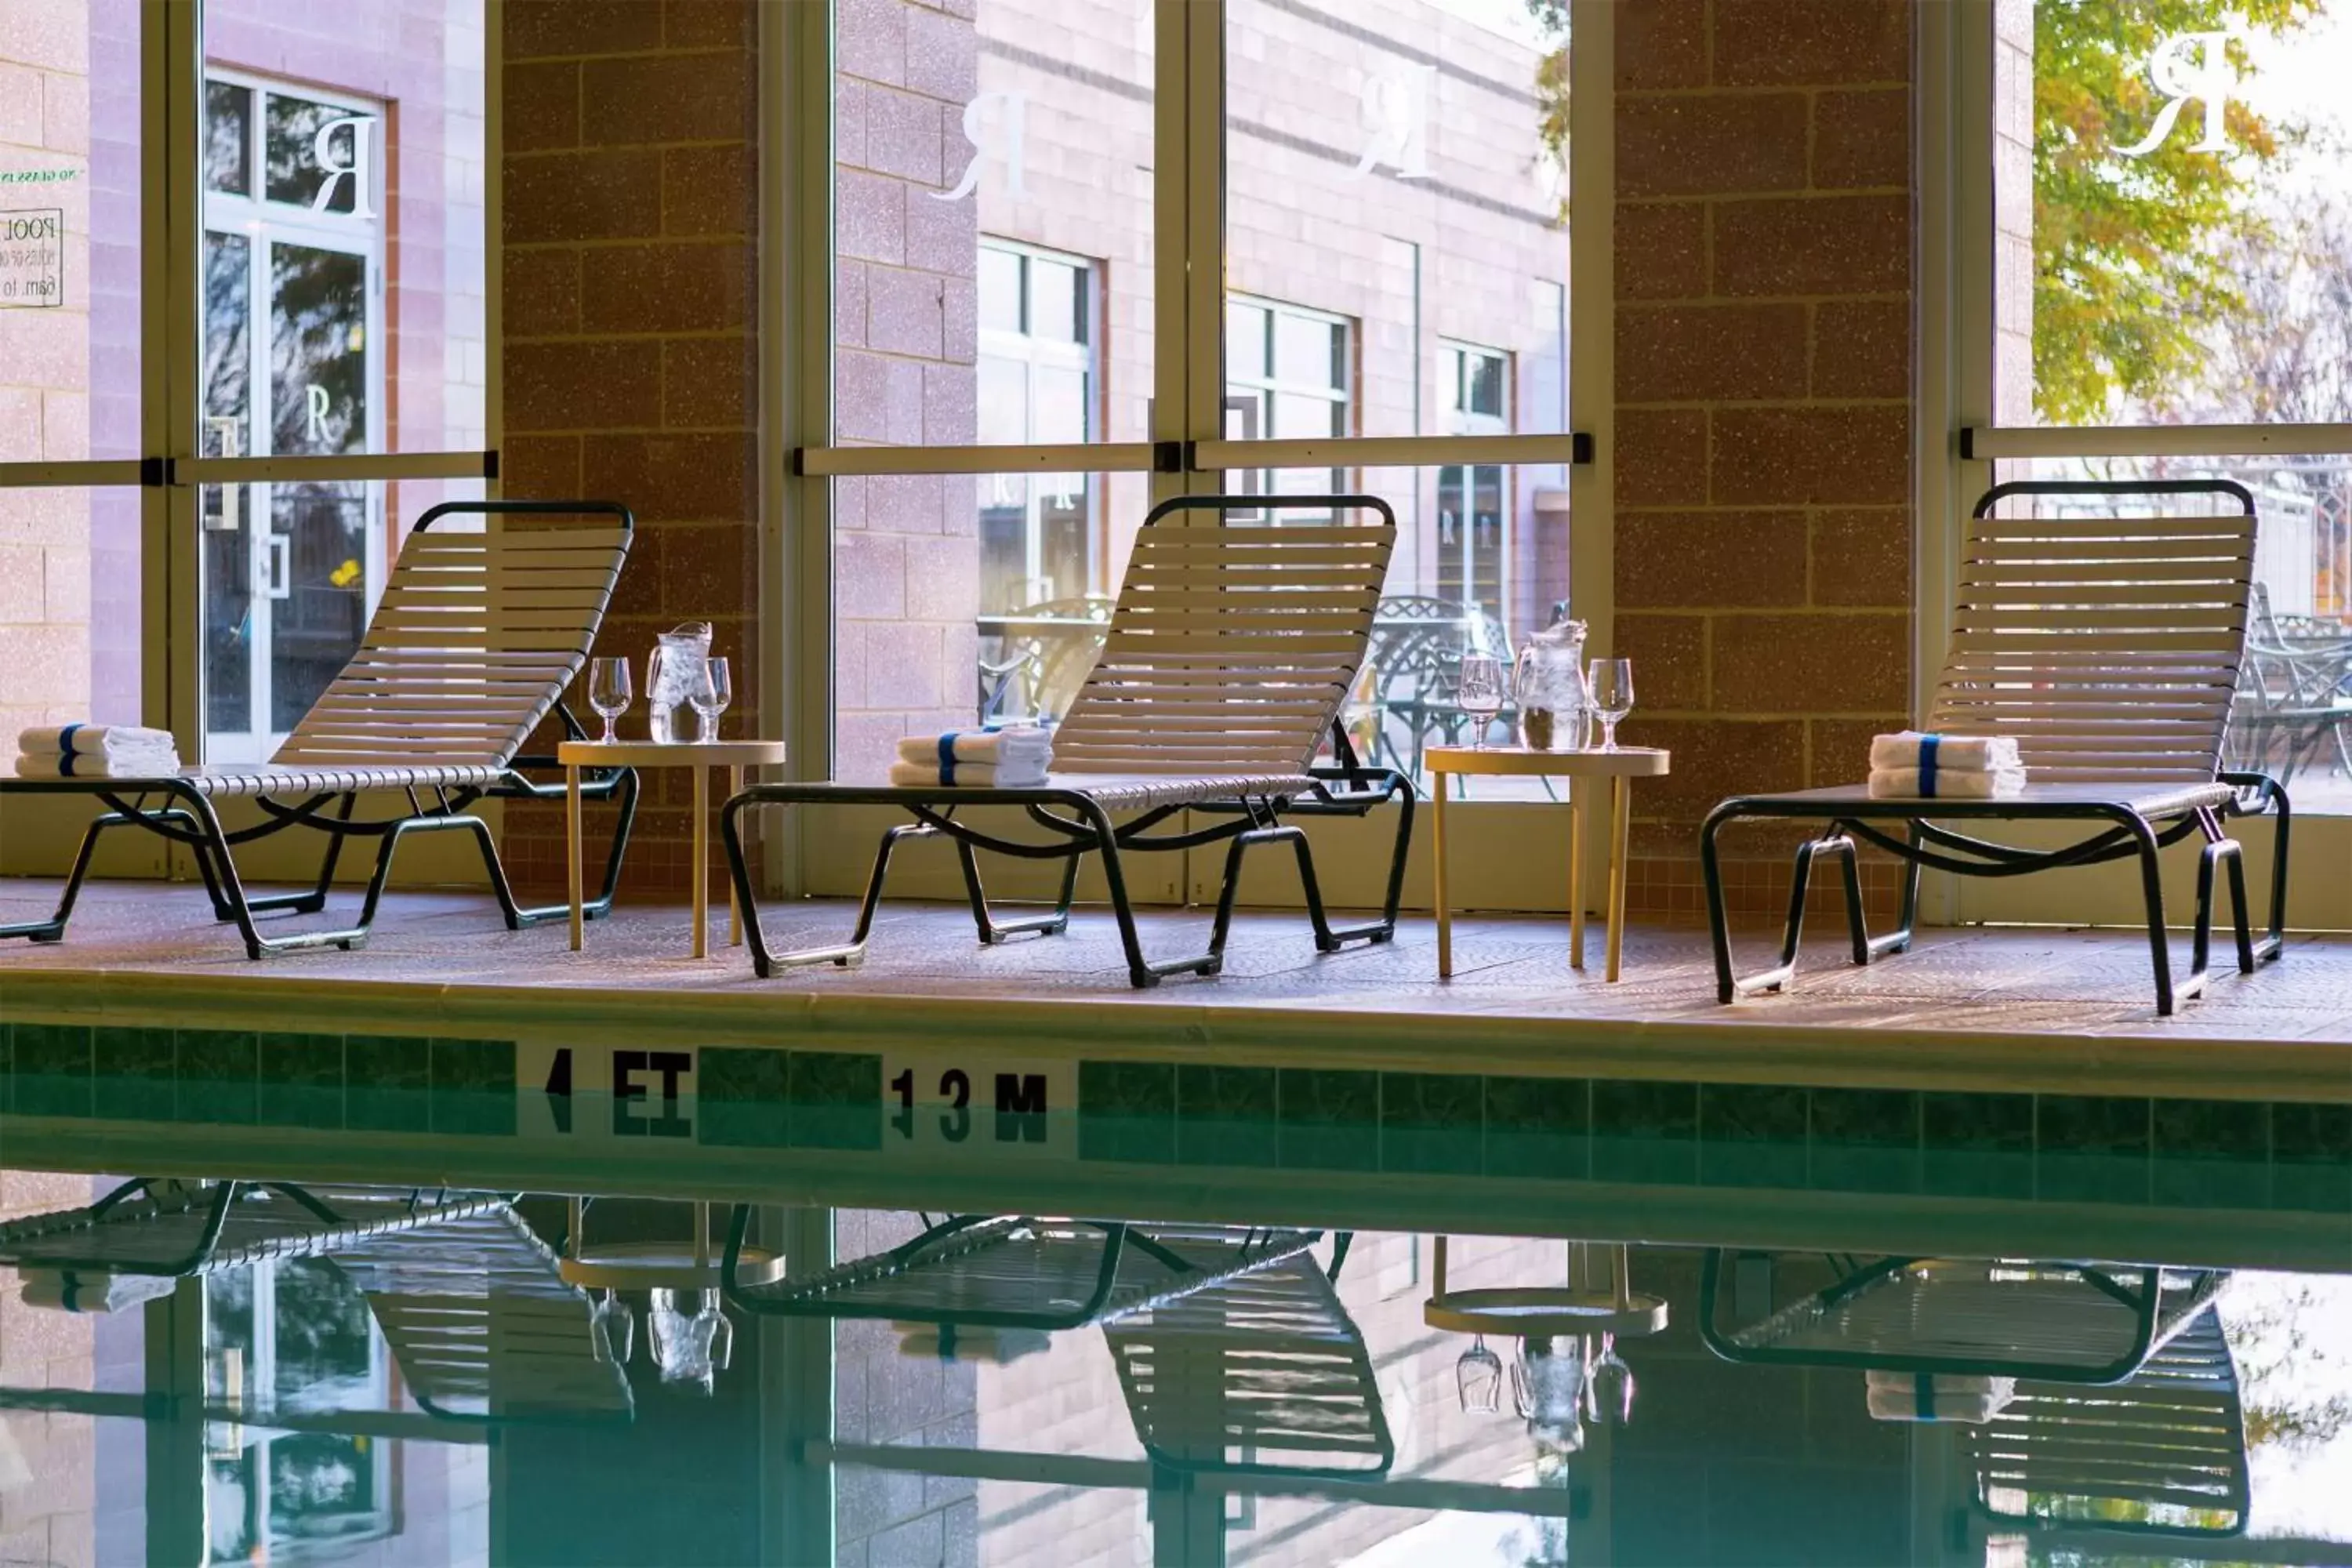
1983	983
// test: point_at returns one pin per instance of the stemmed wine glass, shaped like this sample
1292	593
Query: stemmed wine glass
1611	684
1480	693
709	693
608	691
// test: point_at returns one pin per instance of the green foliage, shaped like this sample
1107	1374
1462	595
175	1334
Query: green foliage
2131	262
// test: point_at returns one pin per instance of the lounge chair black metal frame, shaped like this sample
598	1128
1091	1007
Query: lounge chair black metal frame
2138	813
1131	745
179	809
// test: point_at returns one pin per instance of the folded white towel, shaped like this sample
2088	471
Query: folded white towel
120	765
1009	747
92	740
1958	753
1922	1396
972	775
73	1290
1950	784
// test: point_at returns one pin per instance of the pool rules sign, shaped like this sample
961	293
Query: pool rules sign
31	258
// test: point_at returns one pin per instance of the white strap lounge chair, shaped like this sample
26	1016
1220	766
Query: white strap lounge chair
479	633
1229	653
2108	646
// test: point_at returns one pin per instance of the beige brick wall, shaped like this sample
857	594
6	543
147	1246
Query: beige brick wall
45	370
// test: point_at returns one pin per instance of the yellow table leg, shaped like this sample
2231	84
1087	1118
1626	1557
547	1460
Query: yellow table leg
1444	915
701	871
571	845
1575	874
734	909
1621	802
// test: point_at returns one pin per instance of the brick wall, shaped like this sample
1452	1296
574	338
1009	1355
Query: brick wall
1764	377
631	213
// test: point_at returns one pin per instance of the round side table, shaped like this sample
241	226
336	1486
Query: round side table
1620	767
701	756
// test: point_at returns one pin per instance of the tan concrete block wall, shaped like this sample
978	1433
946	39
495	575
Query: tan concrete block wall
631	214
1764	376
45	369
48	1463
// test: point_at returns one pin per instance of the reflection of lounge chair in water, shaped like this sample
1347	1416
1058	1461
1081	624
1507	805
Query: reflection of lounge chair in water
2060	1322
2163	1453
468	1300
1262	1374
1016	1272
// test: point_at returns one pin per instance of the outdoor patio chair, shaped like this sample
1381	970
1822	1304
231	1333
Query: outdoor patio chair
2162	1454
2108	646
2294	702
1229	654
479	633
1261	1374
2060	1322
1001	1271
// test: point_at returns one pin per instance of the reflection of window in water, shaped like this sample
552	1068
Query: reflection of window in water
293	1334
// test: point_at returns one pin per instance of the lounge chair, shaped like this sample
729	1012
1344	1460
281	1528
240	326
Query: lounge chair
2109	647
2162	1454
477	635
2061	1322
1229	653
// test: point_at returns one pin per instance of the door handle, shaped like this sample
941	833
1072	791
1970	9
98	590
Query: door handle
278	584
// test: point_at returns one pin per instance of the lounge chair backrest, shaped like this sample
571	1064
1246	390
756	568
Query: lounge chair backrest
2108	646
477	635
1232	644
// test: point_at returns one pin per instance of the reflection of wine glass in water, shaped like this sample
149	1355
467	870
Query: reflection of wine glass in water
1478	1378
1610	1392
612	1328
1481	693
608	691
688	1350
1547	1390
1612	685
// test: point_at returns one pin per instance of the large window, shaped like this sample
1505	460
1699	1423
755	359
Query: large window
1037	335
1288	374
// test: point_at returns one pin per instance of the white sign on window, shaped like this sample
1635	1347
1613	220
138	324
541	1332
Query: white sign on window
2186	66
31	258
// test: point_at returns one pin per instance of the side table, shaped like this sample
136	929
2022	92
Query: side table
1620	767
701	756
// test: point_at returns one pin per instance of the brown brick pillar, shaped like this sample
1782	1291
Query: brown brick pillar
1764	385
631	214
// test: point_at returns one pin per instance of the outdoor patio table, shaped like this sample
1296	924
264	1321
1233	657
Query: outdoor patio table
700	755
1620	767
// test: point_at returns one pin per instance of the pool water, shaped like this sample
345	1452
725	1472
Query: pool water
425	1299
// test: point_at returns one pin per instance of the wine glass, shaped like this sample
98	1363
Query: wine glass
709	693
1612	686
1481	693
608	691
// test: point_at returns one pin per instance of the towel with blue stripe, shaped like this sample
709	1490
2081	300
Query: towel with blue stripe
95	752
1015	757
1912	765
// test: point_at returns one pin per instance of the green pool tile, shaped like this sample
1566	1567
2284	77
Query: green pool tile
837	1100
2211	1153
2091	1148
302	1081
387	1083
1977	1145
474	1086
50	1066
2311	1157
1225	1115
219	1077
1126	1111
7	1068
133	1072
1330	1120
742	1098
1644	1131
1863	1140
1433	1123
1751	1135
1538	1127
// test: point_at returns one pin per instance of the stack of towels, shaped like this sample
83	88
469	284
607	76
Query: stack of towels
1013	758
1924	1396
96	752
1947	767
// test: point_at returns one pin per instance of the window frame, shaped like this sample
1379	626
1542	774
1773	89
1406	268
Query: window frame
1034	354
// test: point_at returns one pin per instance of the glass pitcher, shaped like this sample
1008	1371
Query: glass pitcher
1551	689
675	660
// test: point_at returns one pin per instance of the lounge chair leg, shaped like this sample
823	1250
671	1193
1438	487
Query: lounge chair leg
1328	940
311	903
2221	850
2273	796
1718	922
54	928
1141	973
845	955
995	933
518	918
2152	891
